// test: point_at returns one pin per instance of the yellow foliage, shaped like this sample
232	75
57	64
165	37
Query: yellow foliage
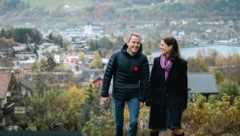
76	94
219	60
212	117
97	61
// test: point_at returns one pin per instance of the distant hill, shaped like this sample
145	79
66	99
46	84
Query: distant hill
120	14
52	4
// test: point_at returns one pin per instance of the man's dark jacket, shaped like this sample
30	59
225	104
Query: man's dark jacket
130	75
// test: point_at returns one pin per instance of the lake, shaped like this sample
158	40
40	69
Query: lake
188	52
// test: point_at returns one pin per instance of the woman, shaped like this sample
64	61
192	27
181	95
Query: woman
168	89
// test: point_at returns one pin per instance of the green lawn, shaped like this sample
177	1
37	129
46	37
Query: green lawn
51	4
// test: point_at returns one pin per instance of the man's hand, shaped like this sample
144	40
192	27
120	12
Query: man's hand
105	100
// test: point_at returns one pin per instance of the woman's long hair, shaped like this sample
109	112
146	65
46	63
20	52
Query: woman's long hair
174	53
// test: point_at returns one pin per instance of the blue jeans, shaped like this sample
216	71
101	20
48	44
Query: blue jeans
133	107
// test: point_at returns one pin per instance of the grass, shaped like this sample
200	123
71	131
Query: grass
52	4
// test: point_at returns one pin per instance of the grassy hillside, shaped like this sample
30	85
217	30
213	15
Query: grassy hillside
51	4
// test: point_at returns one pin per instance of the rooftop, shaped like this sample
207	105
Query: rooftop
5	77
202	82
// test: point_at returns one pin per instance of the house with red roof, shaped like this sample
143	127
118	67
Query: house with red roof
5	77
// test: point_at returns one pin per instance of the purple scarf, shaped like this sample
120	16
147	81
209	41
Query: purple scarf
166	65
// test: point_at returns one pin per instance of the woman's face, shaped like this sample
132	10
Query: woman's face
165	49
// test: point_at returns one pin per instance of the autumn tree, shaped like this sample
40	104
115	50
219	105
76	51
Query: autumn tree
22	35
229	87
96	61
62	68
93	45
212	116
219	75
82	58
43	65
57	39
6	43
71	107
197	65
230	67
36	66
51	64
103	11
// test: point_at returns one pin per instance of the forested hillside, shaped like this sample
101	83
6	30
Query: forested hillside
17	12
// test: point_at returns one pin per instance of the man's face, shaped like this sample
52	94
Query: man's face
134	44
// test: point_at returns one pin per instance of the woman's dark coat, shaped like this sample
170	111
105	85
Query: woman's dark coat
171	94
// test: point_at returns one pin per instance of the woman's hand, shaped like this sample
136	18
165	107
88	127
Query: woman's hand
141	105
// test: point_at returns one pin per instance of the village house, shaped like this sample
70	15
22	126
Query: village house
25	56
48	47
5	107
202	83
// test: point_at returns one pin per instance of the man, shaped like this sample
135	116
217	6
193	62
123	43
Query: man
130	72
